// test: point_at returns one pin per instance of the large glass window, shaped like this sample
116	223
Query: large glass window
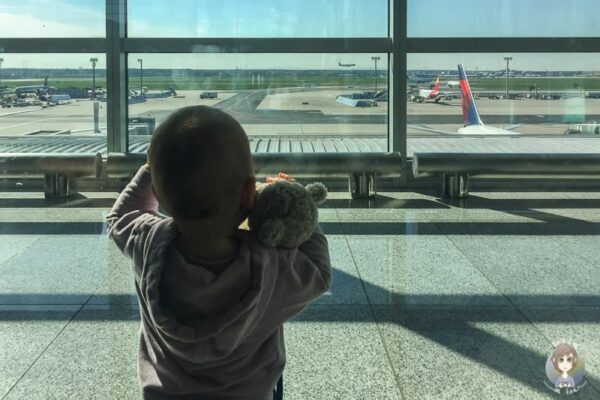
544	96
503	18
45	95
52	18
265	18
285	102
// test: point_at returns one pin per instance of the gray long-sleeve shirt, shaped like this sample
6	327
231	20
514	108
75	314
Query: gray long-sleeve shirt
205	334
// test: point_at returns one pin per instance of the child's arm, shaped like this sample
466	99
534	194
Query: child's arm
135	208
316	249
306	278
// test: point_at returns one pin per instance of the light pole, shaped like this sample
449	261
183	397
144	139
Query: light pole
93	61
141	75
1	92
508	59
375	59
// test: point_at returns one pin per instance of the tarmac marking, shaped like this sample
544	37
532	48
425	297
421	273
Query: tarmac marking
19	112
31	122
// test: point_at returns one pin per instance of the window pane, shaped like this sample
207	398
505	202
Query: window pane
553	103
265	18
285	102
52	18
503	18
47	103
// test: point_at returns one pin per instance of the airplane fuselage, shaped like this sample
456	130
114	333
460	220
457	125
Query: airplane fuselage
428	94
484	130
29	89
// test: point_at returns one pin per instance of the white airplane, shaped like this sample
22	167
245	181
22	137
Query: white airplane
431	94
346	65
473	124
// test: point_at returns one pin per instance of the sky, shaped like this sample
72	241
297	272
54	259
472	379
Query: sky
306	18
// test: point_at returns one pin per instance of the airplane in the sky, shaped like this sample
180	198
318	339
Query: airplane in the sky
346	65
473	124
431	94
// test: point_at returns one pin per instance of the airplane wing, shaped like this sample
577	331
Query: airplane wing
510	127
428	129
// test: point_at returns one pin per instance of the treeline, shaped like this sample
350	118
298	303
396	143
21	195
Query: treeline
40	73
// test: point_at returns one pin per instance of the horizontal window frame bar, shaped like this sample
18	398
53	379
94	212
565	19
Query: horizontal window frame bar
303	45
257	45
504	45
53	45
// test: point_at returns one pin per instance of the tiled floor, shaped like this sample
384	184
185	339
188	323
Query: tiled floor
430	299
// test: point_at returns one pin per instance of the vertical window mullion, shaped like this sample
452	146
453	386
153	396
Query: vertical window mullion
397	77
116	76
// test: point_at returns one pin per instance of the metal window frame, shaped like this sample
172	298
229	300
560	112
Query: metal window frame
116	45
397	103
116	77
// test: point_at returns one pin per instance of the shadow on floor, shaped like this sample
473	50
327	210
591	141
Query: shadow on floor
383	202
75	201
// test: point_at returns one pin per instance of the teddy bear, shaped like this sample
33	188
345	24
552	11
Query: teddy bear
285	212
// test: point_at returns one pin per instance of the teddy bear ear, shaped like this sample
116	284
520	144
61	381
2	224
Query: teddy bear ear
271	233
318	191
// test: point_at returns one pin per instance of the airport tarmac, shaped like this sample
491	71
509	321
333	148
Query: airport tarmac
323	101
280	112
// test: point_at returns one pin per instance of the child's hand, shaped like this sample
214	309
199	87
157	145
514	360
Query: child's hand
280	177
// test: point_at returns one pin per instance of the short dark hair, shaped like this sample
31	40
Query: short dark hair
197	155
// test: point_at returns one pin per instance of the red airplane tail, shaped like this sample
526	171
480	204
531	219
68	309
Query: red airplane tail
436	88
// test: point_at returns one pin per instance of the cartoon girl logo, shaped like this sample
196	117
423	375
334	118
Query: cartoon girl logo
564	368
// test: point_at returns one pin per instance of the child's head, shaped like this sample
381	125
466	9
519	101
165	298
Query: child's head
200	164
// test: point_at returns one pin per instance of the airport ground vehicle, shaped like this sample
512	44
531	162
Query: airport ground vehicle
59	98
208	95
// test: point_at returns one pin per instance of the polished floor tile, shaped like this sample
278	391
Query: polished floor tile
25	333
578	326
94	357
430	299
335	352
416	270
60	269
456	353
531	269
14	245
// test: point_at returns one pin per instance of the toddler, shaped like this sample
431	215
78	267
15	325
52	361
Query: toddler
212	300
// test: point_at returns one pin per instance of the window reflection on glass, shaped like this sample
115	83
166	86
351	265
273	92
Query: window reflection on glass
538	95
52	18
285	102
503	18
45	95
265	18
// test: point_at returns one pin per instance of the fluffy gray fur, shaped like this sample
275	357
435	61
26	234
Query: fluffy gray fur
285	213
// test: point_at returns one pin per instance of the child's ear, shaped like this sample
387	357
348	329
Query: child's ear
248	192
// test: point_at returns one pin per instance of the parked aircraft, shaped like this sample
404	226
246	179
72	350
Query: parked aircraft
33	88
160	94
473	124
432	94
346	65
